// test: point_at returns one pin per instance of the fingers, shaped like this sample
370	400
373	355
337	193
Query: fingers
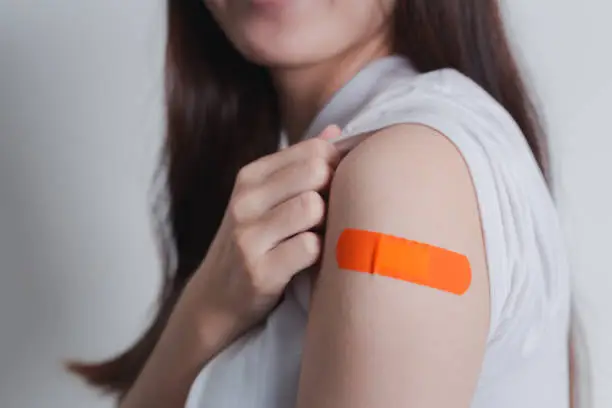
299	214
320	146
330	132
293	218
312	175
292	256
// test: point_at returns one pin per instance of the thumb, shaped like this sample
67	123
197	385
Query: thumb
330	132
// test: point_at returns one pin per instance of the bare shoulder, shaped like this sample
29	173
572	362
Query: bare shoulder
417	180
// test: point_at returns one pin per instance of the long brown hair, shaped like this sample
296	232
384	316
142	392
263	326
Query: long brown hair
222	113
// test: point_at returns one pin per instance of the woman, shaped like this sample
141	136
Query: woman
402	117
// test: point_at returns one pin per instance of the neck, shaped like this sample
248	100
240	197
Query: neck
305	90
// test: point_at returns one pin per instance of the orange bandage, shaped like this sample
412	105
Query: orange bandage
394	257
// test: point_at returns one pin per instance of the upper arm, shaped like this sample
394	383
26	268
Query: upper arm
374	341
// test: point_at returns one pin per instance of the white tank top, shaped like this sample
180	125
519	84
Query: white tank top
526	360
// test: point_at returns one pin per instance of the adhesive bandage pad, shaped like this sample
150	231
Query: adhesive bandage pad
423	264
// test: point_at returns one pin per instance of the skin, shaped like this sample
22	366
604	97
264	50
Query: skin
371	341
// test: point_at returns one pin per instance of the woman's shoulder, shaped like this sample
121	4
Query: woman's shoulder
482	130
445	93
515	205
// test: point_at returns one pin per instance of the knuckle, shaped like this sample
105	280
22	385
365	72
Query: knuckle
235	211
243	176
249	173
310	244
311	205
242	205
318	171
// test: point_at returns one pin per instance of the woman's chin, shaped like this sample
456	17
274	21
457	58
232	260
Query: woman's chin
278	58
280	48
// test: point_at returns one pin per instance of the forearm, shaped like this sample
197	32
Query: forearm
185	346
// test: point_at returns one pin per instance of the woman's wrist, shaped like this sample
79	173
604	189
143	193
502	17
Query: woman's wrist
203	323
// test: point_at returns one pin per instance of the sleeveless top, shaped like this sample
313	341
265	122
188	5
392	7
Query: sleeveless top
526	357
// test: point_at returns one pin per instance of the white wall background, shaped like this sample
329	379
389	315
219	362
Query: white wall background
80	125
566	45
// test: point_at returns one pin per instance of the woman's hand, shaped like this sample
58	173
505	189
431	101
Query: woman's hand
266	235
